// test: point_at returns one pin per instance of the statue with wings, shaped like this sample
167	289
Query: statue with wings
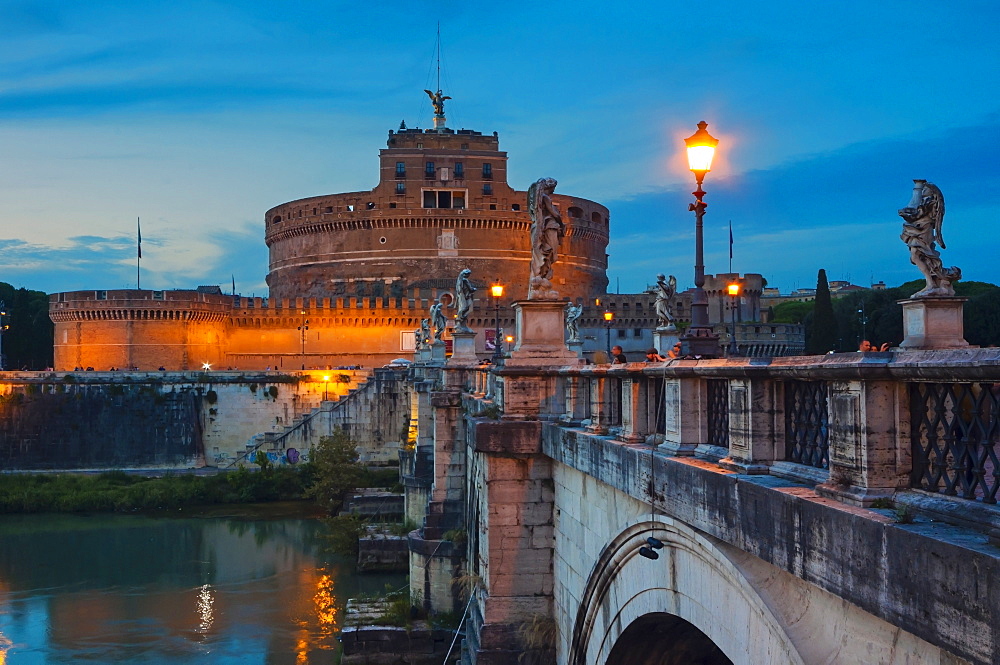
922	219
437	100
665	291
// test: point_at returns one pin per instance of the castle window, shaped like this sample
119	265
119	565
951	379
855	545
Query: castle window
637	332
401	188
400	169
392	204
487	171
459	170
493	206
157	295
328	209
596	218
371	205
276	219
444	198
621	333
429	170
515	206
575	212
102	295
488	189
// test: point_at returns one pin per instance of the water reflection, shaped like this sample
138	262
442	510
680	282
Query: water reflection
112	589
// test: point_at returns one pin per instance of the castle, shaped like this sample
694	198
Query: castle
351	275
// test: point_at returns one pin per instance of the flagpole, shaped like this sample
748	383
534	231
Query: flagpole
730	247
138	258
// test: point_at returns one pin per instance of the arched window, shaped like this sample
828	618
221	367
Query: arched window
575	212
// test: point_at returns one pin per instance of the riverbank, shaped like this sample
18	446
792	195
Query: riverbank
120	491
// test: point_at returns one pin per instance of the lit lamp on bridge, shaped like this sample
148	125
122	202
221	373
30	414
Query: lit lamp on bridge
608	318
326	387
698	339
497	291
734	291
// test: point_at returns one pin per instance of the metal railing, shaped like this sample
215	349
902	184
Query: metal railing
955	434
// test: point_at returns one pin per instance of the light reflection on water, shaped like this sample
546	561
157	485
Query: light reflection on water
134	589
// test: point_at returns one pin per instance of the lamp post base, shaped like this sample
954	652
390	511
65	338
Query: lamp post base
700	342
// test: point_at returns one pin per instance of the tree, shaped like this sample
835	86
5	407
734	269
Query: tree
28	341
335	468
824	334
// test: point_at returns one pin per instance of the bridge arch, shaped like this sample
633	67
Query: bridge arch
692	584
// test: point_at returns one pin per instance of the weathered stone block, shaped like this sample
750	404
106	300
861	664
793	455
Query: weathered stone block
513	437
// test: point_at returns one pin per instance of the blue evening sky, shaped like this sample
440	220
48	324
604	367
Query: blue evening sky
199	116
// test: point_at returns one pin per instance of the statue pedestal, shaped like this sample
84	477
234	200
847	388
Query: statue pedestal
540	334
575	348
934	322
665	338
437	350
423	354
464	347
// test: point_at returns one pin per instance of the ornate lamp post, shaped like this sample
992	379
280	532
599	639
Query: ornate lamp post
608	318
497	291
734	291
698	339
326	387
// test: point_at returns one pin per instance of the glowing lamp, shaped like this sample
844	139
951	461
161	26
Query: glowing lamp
734	290
326	378
608	316
701	149
497	290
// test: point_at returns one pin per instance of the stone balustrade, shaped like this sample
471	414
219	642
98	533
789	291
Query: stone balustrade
863	426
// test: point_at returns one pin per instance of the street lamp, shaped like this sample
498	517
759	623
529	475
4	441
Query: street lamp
608	318
302	335
734	290
326	387
3	329
698	339
497	291
864	322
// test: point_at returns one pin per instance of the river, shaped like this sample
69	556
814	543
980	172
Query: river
236	585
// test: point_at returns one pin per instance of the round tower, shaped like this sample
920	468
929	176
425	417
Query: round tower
442	204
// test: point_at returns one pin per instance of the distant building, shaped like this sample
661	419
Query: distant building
352	275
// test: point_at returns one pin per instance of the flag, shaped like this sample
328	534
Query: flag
730	240
234	283
138	230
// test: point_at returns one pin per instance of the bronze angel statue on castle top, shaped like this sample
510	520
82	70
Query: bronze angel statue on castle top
922	219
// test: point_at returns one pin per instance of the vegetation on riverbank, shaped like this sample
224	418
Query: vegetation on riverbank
116	491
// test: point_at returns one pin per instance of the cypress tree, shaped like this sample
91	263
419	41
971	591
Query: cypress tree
824	329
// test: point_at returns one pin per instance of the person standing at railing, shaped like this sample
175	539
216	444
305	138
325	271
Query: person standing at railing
653	356
617	356
865	345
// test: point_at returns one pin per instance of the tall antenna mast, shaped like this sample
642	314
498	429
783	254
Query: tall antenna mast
438	98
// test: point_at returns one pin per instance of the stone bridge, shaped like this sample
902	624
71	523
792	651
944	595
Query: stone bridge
829	509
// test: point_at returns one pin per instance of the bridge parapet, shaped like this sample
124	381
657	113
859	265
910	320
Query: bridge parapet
796	462
863	425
